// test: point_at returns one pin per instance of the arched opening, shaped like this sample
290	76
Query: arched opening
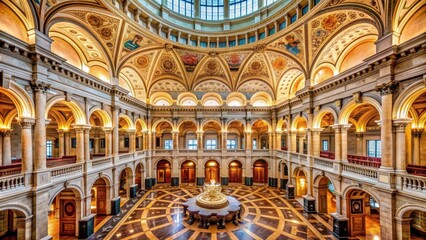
100	204
188	135
260	135
260	171
235	172
65	134
139	177
283	169
163	136
357	55
125	183
212	135
417	225
284	136
64	214
324	192
327	137
414	26
13	225
416	139
163	171
322	74
298	140
141	135
212	169
12	24
98	136
188	172
363	136
363	212
126	135
301	183
235	135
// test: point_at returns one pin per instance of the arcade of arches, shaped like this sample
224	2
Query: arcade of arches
313	116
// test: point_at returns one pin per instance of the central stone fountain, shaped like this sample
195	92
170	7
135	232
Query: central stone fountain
212	207
212	197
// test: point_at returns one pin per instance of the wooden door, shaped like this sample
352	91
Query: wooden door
185	175
161	175
212	173
101	201
235	174
191	175
259	175
68	217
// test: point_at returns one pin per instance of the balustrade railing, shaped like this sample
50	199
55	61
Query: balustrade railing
101	161
125	156
66	170
323	162
413	183
12	182
360	171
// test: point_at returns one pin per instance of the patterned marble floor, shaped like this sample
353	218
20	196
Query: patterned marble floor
266	215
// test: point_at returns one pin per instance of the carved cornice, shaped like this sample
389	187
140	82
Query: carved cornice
387	88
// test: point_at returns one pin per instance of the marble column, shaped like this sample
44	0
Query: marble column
145	140
403	228
386	91
40	89
87	143
270	140
96	145
248	140
224	139
344	137
301	138
309	145
292	138
338	141
67	142
132	140
417	134
7	151
200	140
400	142
316	141
360	143
79	151
27	144
61	142
108	141
278	140
115	133
175	139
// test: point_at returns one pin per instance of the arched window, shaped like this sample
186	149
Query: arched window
239	8
189	102
235	103
184	7
211	9
260	103
162	102
211	103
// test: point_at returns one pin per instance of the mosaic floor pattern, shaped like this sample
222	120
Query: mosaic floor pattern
265	215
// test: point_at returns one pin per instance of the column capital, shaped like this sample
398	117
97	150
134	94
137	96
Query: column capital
131	131
345	127
37	86
417	132
82	127
359	134
26	122
387	88
400	124
107	129
5	132
317	130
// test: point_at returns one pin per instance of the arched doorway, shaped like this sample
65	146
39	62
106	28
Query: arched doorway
139	176
125	183
284	176
235	172
14	225
363	212
163	171
324	192
99	203
188	172
64	214
260	171
301	183
212	171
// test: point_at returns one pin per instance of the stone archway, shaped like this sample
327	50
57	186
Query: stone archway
212	171
188	172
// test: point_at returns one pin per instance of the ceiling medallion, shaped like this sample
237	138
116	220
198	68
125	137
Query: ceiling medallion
142	61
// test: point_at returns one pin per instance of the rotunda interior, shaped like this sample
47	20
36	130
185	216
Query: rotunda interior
310	114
